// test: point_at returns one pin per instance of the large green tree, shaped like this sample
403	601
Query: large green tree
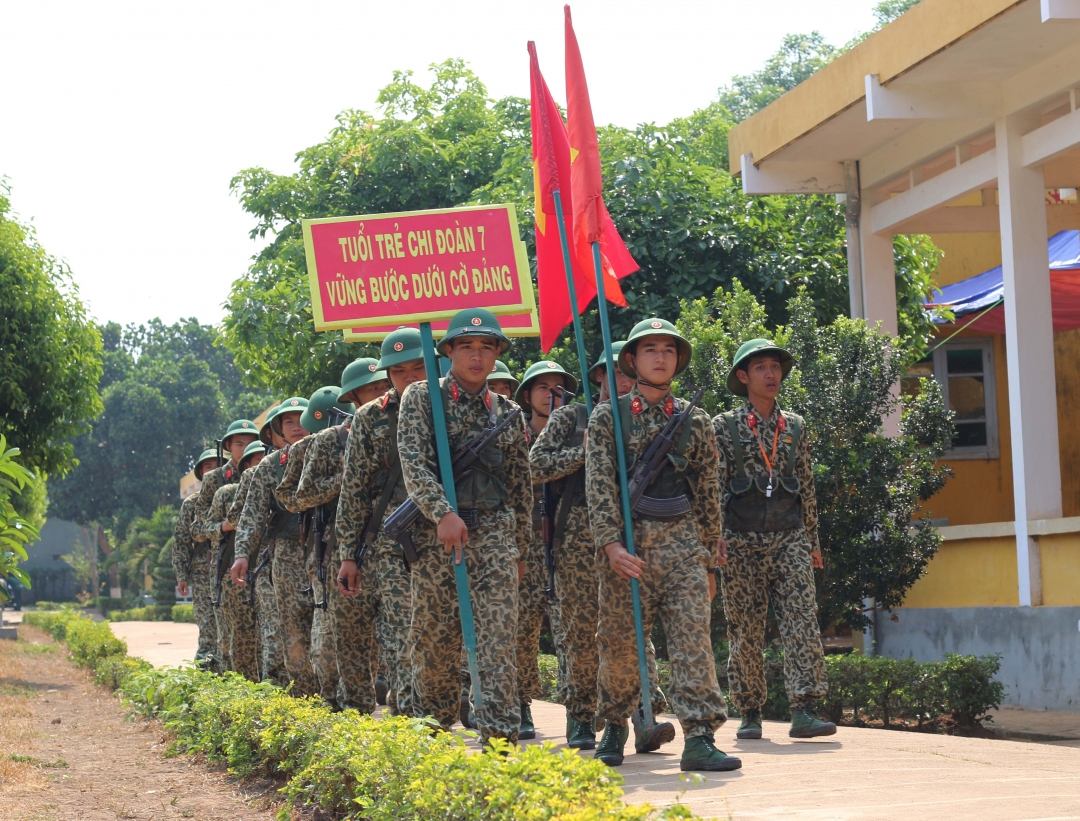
50	354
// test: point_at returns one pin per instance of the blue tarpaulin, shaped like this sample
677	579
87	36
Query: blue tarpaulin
977	293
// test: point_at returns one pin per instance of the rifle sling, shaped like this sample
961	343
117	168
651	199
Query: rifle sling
374	524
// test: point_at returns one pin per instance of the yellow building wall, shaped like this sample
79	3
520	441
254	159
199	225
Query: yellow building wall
969	573
1060	556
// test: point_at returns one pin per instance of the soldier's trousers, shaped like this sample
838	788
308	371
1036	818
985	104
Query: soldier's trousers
271	656
352	626
674	585
237	631
323	657
774	568
392	617
435	638
202	594
575	612
295	606
532	604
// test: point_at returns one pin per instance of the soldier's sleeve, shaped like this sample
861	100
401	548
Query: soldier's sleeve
255	517
218	507
232	515
416	445
601	479
320	478
706	463
724	455
551	457
286	489
519	480
804	470
202	528
354	504
182	543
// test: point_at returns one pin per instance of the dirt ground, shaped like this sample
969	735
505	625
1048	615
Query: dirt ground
68	753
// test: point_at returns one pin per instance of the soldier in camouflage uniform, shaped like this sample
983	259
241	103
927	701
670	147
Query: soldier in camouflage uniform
265	521
770	524
238	436
373	484
191	563
315	418
352	635
501	381
543	381
675	552
491	527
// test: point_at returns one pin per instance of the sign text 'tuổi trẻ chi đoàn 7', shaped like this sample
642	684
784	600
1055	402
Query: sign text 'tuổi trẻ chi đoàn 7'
419	266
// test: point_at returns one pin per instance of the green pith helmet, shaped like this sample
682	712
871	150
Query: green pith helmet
537	369
239	426
316	415
748	349
254	447
654	327
206	454
264	429
500	371
616	349
290	405
399	347
358	373
474	322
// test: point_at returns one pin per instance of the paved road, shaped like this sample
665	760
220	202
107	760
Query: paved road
857	774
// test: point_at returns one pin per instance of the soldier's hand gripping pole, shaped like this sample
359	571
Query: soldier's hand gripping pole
624	492
442	446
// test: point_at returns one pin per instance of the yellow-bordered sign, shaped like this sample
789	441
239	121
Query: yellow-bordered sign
418	266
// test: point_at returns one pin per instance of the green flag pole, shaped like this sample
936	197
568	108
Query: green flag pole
587	392
446	470
624	493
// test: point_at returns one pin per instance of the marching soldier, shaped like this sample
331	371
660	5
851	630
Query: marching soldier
191	563
351	630
492	527
372	487
770	523
501	380
678	544
235	621
315	418
238	436
543	381
265	522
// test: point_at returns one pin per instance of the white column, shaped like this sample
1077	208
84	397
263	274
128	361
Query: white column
879	299
1029	343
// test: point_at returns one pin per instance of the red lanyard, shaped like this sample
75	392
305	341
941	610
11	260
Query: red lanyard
781	424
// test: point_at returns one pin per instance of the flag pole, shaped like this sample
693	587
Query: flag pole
446	470
567	266
624	493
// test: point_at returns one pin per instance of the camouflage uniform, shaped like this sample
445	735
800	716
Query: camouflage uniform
350	627
674	583
532	603
491	555
322	639
291	594
236	622
191	563
770	568
385	599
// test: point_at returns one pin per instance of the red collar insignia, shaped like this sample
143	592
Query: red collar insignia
487	399
454	392
669	406
751	420
284	455
782	423
385	400
228	472
636	406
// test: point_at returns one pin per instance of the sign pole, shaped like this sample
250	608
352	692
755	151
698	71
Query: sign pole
573	299
624	492
446	470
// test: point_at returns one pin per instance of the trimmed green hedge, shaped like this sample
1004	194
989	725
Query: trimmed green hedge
184	613
351	765
153	612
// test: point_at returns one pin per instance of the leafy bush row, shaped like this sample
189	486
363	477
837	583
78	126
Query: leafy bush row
153	612
350	765
184	613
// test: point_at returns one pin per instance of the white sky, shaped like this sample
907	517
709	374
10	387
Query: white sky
121	124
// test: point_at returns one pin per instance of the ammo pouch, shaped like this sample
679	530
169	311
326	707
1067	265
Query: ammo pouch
285	525
750	507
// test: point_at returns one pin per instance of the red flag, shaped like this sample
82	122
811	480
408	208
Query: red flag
551	165
591	222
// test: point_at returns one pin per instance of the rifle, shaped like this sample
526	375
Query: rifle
320	553
649	465
224	546
548	505
253	575
398	525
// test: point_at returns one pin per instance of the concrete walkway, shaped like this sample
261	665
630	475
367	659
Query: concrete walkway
856	774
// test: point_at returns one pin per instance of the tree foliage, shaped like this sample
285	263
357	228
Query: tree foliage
15	532
50	354
143	553
869	486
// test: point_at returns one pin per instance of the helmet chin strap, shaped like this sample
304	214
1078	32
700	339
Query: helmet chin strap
664	386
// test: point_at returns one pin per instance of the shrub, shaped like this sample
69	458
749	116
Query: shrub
970	690
47	606
153	612
184	613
